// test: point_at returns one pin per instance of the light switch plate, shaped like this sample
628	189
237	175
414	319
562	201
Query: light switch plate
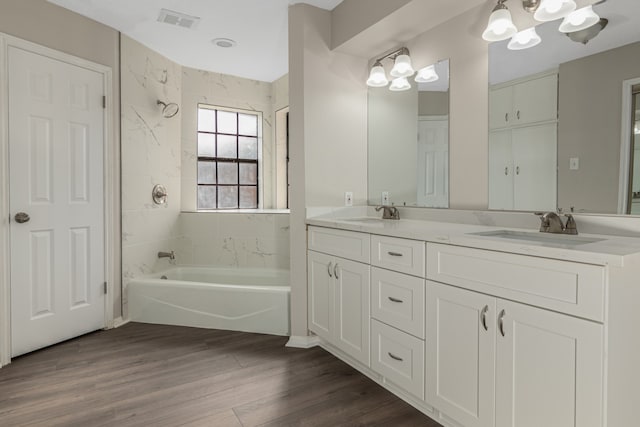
348	198
574	163
384	200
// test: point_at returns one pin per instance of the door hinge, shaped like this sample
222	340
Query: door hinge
104	285
104	101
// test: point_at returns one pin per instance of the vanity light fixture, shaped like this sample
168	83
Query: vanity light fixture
550	10
400	84
500	26
580	25
377	76
402	65
524	39
401	70
427	74
578	20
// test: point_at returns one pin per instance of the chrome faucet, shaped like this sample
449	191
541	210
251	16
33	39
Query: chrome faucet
171	255
551	222
389	212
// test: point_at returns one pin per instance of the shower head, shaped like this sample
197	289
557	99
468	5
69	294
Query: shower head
168	109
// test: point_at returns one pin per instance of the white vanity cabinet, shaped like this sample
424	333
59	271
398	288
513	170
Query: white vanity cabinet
339	290
475	334
503	363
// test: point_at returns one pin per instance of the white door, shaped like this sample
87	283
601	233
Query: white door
535	162
56	178
550	369
320	272
501	171
433	163
461	354
352	308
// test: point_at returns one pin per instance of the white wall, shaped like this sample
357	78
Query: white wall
150	155
328	106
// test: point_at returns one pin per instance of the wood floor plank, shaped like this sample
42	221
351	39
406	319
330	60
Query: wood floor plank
165	376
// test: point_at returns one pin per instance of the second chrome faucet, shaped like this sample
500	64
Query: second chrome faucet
389	212
551	222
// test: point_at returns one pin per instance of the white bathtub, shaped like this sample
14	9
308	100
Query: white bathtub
250	300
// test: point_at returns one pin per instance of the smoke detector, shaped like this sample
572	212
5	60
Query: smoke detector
224	42
179	19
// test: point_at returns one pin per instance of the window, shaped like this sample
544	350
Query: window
229	154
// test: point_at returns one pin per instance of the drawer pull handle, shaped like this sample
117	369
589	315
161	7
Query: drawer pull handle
329	269
394	253
394	357
501	322
392	299
483	317
335	271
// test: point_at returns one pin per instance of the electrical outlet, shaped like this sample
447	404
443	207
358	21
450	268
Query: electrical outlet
385	198
348	198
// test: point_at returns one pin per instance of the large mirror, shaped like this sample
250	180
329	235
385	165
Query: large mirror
408	143
563	125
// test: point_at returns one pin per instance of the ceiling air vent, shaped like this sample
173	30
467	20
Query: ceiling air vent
176	18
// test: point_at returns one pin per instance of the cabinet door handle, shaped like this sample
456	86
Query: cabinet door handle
517	170
501	322
506	170
394	253
483	317
506	117
335	271
329	269
518	114
392	299
394	357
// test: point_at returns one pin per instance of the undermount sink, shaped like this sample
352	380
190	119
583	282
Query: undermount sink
365	220
561	240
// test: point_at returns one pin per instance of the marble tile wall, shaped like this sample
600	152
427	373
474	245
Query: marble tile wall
233	92
238	240
150	155
157	150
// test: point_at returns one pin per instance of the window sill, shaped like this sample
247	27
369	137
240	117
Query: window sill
242	211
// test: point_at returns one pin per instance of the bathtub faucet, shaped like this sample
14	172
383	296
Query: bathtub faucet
169	255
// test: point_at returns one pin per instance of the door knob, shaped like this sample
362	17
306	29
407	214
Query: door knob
22	217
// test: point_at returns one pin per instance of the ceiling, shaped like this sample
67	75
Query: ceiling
557	48
259	27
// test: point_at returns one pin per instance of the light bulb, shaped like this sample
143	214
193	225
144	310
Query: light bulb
500	26
550	10
427	74
578	20
400	84
524	39
402	66
377	76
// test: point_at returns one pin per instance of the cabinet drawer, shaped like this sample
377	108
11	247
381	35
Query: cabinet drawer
399	357
345	244
398	300
403	255
564	286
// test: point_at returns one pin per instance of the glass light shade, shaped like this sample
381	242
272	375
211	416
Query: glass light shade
579	20
427	74
377	77
524	39
550	10
399	84
402	67
500	26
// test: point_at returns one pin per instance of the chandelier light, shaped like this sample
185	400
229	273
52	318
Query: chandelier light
524	39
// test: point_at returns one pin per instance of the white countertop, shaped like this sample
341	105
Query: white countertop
612	250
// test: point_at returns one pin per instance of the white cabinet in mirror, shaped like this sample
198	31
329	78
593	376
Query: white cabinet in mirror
408	142
577	136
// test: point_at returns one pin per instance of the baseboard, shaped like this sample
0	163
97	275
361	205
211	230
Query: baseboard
119	321
299	341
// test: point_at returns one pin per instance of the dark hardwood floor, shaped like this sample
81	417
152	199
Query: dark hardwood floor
153	375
